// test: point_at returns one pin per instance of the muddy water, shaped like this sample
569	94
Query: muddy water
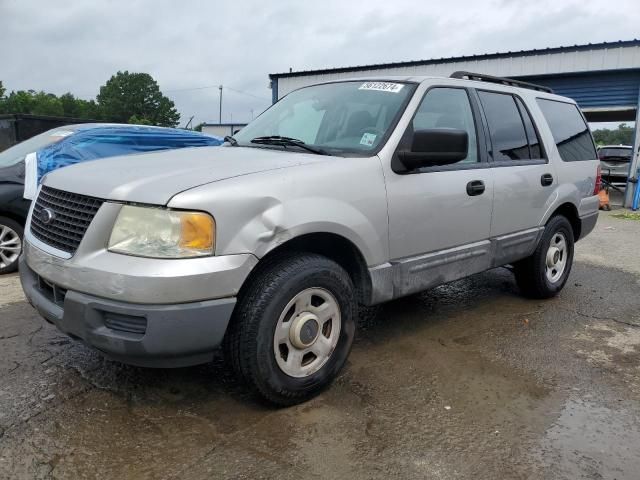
466	381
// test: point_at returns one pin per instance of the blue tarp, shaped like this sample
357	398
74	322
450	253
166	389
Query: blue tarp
109	141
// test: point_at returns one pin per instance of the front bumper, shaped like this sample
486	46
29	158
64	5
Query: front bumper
149	335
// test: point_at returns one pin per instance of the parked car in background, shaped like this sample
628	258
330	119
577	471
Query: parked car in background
343	193
615	161
23	166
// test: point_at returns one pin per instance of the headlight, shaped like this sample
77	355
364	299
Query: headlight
162	233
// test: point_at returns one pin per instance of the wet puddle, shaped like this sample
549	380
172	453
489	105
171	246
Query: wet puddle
593	441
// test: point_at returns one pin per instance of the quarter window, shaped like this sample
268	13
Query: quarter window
448	108
508	136
535	151
569	130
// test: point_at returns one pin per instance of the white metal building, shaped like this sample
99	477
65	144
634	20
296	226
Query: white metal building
221	129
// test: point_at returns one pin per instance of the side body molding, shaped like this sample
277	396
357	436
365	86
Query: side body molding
405	276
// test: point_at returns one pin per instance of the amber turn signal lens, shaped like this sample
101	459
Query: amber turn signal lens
197	231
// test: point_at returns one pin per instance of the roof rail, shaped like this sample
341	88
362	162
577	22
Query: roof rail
481	77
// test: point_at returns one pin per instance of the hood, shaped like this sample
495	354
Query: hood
156	177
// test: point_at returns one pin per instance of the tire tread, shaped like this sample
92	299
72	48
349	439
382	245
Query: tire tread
240	346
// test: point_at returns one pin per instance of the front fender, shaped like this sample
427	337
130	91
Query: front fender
12	201
283	222
257	213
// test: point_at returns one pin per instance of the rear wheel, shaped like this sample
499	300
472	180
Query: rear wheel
545	272
11	235
293	328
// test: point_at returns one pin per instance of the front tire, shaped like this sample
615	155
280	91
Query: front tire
11	237
545	272
293	327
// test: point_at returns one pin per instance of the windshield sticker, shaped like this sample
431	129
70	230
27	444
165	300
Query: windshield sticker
62	133
368	139
382	86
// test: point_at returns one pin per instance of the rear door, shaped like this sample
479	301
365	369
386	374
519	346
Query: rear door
524	179
574	154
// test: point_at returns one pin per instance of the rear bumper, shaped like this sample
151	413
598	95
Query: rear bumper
621	171
167	335
587	224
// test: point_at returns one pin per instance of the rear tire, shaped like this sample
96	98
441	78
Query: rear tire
11	238
545	272
298	308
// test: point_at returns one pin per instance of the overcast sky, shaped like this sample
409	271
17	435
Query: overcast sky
186	45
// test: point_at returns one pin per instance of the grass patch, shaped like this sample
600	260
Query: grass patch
627	215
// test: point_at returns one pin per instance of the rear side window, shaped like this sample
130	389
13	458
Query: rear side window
570	131
508	135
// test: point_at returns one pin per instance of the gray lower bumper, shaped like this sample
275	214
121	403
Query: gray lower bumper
145	335
587	224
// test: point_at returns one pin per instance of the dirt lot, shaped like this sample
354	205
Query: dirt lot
466	381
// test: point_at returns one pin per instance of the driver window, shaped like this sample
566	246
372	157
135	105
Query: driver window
448	108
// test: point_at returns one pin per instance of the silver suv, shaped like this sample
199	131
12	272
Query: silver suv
341	194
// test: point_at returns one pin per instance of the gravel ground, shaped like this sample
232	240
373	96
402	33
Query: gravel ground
468	380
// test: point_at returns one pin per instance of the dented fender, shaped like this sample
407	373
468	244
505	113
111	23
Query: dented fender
260	212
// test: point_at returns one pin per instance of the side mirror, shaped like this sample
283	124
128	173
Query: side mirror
437	146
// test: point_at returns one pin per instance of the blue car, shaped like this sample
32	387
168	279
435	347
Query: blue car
23	166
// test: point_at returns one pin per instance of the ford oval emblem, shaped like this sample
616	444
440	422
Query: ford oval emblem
47	216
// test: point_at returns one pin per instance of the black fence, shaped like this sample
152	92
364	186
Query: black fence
16	128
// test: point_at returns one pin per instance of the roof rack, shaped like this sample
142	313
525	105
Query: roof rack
481	77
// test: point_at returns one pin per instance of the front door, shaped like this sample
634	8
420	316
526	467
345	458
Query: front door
440	217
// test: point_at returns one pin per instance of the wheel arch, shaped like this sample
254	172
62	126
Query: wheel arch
570	212
14	216
331	245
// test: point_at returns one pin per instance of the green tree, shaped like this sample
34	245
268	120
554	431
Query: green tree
198	128
135	120
79	108
2	90
623	135
136	94
32	102
47	104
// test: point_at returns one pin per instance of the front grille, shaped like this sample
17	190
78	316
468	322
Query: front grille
69	215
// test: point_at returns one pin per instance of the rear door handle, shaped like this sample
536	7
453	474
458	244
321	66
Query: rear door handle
546	179
475	187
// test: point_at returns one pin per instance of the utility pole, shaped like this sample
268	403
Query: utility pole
634	164
220	115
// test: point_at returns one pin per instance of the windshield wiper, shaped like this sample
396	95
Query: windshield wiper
287	141
231	140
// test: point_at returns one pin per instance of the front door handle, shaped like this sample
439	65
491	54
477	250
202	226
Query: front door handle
475	187
546	179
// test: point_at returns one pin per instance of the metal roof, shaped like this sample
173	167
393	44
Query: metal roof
485	56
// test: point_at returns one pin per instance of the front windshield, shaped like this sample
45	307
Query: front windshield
16	154
339	118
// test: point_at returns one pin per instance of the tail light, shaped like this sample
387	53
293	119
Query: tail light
598	185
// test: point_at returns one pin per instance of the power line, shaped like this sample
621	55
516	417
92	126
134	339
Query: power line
249	94
192	88
218	86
